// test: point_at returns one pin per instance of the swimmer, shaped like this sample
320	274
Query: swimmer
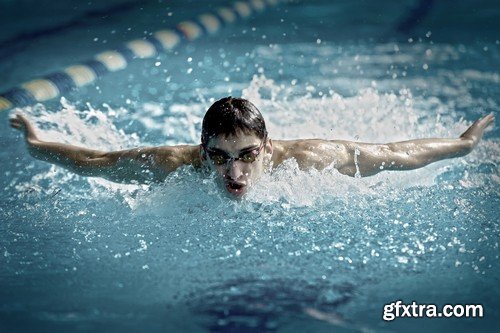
236	146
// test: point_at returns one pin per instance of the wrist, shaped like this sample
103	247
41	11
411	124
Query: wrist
469	143
33	141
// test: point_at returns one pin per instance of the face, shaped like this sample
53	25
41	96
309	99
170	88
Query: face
238	160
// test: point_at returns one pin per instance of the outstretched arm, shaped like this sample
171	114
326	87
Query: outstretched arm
369	159
140	165
366	159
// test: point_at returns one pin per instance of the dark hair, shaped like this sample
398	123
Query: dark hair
231	115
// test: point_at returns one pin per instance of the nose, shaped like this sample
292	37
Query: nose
234	170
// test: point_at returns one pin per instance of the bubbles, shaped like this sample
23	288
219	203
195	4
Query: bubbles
320	236
288	117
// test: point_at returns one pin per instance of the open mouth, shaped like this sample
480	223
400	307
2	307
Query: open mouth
235	188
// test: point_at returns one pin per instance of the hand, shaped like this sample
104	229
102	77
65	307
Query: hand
475	131
22	124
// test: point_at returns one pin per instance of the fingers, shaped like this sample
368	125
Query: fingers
22	118
484	122
488	119
16	122
21	123
475	131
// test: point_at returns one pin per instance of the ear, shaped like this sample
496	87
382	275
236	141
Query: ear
268	157
269	146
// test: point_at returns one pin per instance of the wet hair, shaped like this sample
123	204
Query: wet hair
230	115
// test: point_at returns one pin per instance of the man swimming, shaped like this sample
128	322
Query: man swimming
235	145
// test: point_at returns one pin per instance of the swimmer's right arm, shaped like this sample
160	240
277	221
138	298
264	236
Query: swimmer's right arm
138	165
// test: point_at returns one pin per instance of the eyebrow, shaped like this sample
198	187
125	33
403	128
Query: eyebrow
244	150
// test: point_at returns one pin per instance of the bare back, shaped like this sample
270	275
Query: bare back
310	153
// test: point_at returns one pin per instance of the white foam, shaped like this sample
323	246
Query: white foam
369	116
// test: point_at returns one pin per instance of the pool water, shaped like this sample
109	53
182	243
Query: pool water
304	251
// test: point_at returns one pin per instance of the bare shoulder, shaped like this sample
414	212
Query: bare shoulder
163	159
315	153
175	156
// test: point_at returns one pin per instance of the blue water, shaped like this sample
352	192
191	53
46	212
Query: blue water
304	251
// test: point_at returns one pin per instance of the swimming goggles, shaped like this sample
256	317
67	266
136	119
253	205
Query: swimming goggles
220	157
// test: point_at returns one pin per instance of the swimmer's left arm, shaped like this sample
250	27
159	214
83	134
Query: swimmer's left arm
366	159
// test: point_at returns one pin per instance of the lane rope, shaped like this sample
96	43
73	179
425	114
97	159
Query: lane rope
72	77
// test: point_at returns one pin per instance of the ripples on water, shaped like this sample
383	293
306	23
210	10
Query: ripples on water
316	243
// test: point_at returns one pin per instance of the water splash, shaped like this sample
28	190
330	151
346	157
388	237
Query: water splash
364	117
296	240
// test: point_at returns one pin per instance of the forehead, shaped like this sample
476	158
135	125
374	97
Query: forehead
234	142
